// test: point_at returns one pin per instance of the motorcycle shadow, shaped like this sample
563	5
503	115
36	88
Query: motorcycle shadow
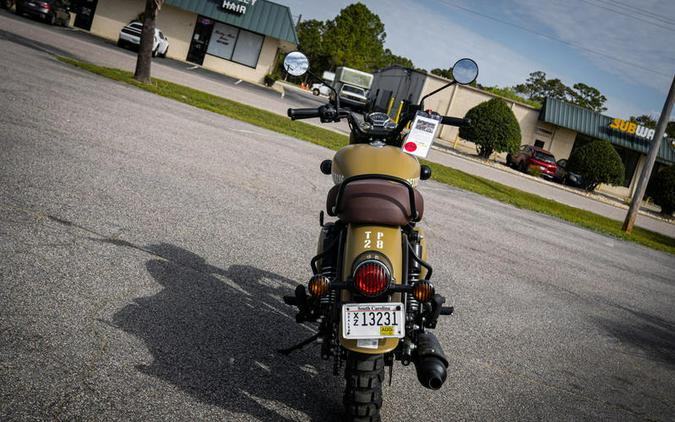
213	333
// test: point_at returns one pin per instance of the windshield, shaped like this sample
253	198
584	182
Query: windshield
542	156
353	90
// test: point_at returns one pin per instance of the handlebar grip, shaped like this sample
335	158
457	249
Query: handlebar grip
303	113
455	121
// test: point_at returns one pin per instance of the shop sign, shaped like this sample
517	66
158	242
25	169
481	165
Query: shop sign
632	128
635	129
238	7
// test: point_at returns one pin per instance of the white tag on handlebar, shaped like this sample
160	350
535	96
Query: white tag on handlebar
421	136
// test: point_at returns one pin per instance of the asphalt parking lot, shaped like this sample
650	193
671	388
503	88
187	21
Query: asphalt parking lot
145	246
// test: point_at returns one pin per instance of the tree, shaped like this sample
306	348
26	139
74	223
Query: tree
537	87
355	38
588	97
142	73
645	120
511	94
310	38
597	162
388	58
663	190
443	73
493	128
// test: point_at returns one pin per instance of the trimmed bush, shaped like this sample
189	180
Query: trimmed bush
663	190
493	128
270	79
597	162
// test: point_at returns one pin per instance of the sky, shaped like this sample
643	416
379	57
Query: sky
624	48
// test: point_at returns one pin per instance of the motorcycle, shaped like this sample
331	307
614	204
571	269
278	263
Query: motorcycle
371	291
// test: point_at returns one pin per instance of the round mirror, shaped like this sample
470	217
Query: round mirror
465	71
296	63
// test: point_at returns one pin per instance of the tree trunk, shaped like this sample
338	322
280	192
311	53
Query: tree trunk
142	73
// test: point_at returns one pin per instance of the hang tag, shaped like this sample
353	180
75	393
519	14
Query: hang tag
421	136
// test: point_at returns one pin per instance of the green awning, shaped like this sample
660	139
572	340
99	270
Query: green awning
596	125
263	17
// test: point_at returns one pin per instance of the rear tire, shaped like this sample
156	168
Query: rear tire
364	375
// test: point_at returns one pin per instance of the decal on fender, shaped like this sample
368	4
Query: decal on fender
377	239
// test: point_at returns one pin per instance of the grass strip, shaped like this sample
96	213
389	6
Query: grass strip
335	141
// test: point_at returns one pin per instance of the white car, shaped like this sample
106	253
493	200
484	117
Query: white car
320	89
130	35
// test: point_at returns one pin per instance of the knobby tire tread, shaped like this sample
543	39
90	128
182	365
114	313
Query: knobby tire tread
364	375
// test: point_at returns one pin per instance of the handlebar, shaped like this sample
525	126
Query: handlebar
303	113
455	121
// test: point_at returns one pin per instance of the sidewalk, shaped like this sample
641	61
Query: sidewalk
564	195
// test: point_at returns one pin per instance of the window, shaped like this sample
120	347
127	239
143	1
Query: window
238	45
353	90
544	157
539	144
222	41
248	47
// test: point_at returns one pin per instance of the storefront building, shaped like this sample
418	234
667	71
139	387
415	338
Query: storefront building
239	38
558	127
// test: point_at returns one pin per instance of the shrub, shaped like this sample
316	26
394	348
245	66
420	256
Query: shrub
493	128
597	162
663	190
270	79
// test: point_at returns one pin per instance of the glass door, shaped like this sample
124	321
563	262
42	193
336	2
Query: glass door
200	40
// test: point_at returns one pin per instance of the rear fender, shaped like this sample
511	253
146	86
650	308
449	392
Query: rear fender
382	239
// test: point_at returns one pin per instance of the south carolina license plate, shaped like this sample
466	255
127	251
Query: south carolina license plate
373	320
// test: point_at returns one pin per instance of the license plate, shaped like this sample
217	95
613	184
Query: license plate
373	320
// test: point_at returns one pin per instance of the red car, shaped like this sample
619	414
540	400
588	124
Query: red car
531	157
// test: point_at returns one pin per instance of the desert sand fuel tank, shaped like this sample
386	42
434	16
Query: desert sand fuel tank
357	159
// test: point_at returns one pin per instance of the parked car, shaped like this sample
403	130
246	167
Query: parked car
351	96
54	12
530	157
566	177
130	36
320	89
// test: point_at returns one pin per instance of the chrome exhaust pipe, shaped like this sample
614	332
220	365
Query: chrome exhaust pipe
430	362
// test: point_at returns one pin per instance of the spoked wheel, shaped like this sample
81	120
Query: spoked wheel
363	392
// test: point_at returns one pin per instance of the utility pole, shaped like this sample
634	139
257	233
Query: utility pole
299	19
651	158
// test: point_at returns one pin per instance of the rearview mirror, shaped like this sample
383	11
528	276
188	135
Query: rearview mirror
465	71
296	63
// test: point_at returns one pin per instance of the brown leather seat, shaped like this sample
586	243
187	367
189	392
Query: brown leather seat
375	202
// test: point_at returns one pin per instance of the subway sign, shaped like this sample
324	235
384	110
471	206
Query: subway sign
237	7
632	128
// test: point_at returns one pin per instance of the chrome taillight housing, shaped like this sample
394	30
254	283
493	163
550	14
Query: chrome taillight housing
371	277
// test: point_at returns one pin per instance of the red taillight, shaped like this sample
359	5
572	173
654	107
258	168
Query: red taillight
371	278
45	5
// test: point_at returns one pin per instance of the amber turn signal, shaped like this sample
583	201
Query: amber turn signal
318	285
423	291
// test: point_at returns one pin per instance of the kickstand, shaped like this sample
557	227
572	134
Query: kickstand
391	372
298	346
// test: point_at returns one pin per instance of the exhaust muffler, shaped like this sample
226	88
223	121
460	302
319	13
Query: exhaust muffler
430	362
